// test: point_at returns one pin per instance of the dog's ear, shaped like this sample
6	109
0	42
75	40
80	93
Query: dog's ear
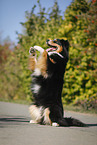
65	44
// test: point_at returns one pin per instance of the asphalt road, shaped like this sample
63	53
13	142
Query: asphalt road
15	129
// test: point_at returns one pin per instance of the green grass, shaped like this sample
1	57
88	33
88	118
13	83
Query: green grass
79	109
25	102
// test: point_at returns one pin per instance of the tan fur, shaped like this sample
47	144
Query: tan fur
42	64
35	113
59	49
47	119
32	63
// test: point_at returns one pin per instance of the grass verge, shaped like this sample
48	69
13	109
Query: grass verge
18	101
79	109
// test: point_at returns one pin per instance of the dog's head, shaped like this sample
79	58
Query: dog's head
60	46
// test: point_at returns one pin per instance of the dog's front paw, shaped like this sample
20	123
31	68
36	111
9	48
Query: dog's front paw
32	51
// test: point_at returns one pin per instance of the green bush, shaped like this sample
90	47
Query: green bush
78	25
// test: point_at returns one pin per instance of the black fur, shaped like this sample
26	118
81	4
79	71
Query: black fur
49	95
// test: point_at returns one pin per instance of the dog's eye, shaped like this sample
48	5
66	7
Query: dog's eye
55	40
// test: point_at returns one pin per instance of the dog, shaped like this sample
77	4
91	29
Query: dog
47	83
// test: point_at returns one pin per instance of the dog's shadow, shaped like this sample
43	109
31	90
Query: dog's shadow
19	120
13	121
91	125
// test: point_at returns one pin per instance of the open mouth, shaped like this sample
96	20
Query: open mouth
52	47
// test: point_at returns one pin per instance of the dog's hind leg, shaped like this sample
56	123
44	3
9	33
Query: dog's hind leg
36	114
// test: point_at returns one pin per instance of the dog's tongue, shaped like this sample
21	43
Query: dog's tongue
50	49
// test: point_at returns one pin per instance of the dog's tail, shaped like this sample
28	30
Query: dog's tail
71	122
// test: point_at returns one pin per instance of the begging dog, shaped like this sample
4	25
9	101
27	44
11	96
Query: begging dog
47	83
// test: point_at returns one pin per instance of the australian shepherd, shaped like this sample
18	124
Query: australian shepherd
47	83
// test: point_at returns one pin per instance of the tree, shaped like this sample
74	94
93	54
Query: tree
37	28
81	69
78	25
81	66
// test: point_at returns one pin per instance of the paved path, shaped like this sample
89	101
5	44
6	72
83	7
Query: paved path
15	129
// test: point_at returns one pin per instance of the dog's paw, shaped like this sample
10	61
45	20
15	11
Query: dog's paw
55	124
33	121
32	52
